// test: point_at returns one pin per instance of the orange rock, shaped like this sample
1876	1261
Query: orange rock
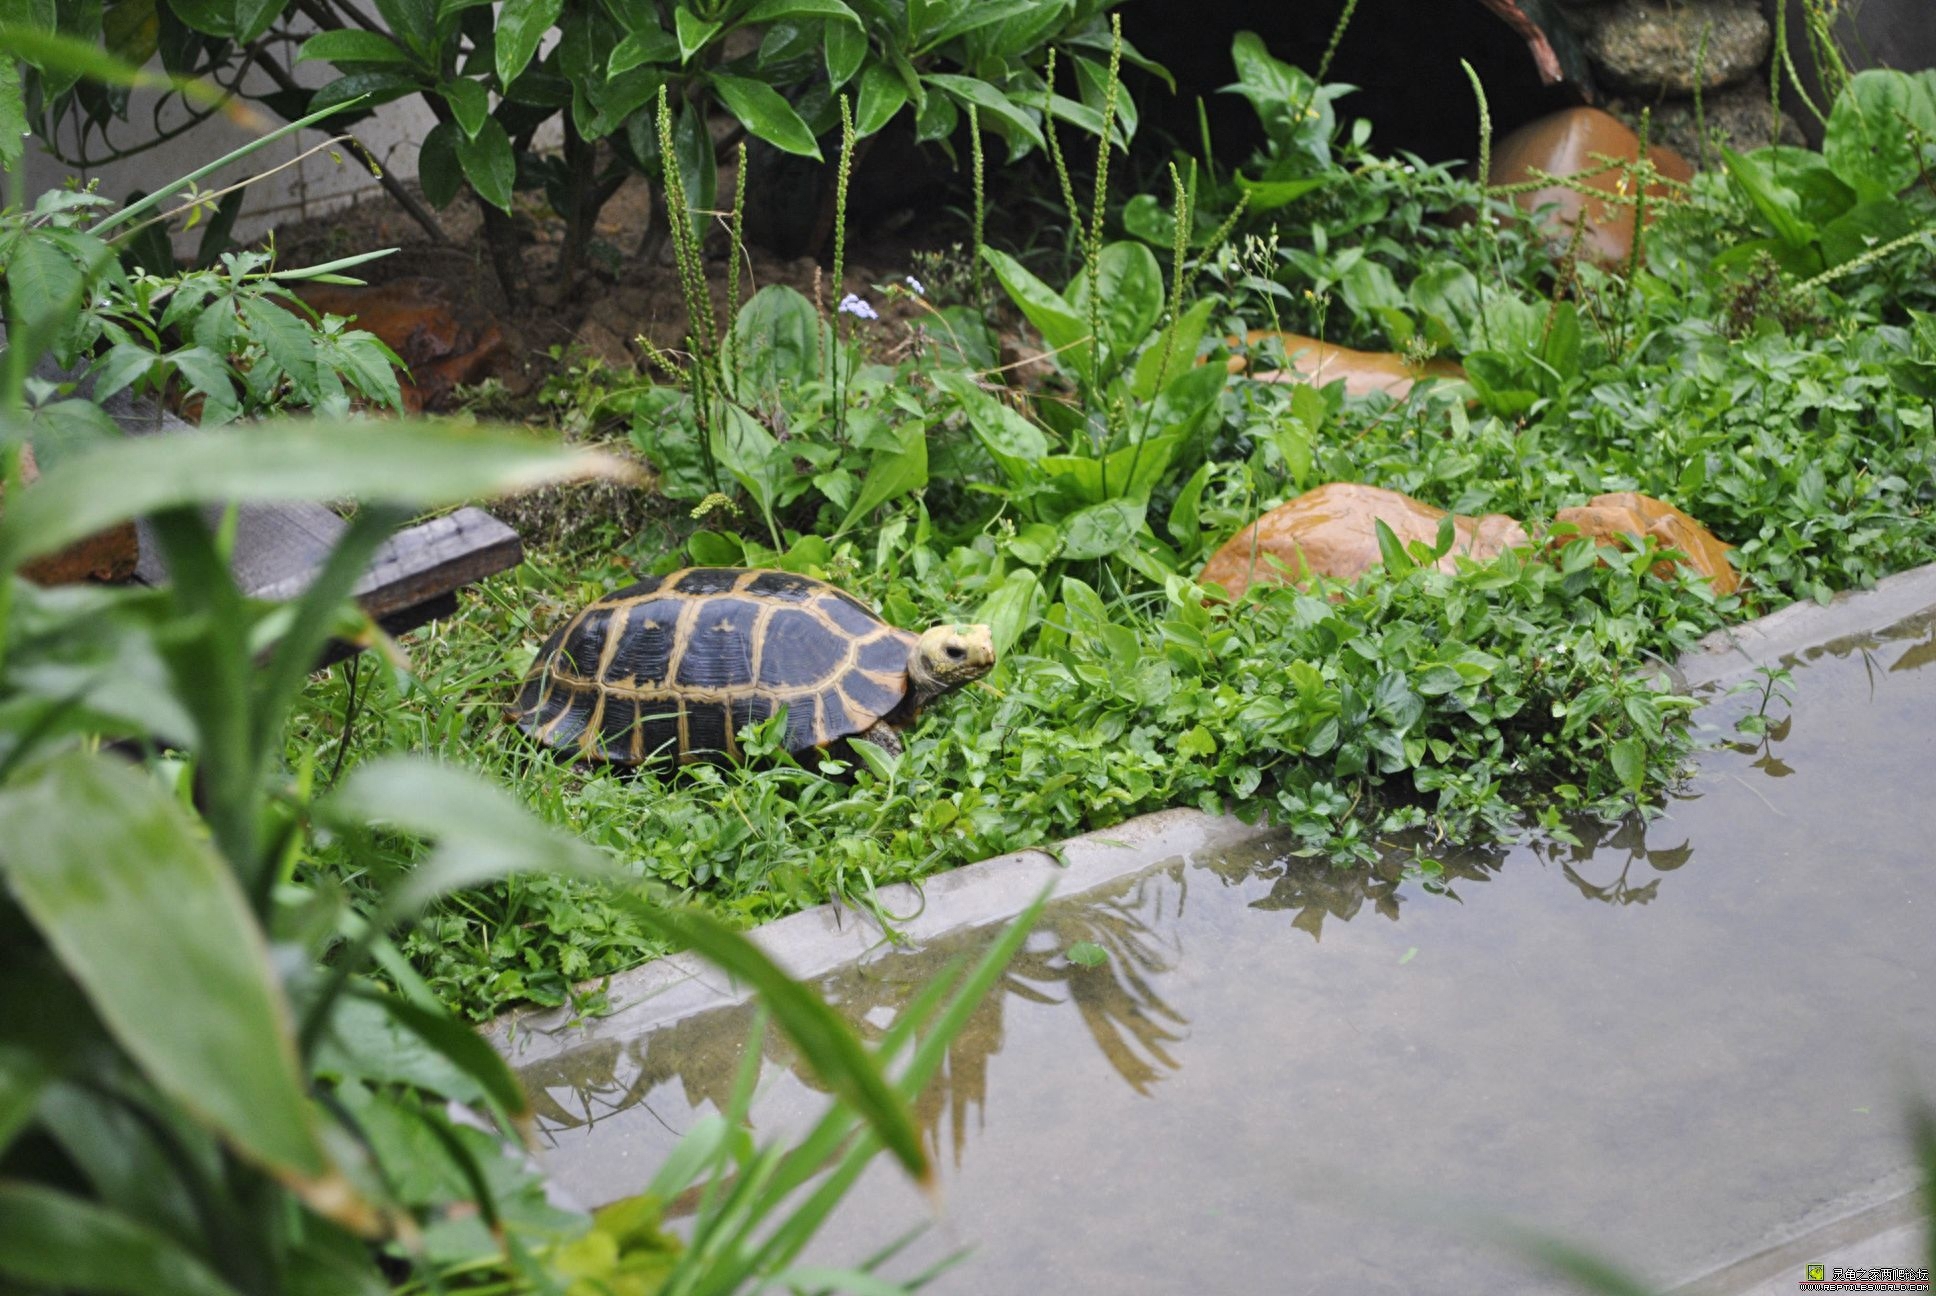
413	317
1331	532
1364	372
108	555
1612	519
1571	142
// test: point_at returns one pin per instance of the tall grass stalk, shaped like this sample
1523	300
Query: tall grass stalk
842	175
701	327
981	207
1487	232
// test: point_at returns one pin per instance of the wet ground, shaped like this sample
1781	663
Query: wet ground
1682	1044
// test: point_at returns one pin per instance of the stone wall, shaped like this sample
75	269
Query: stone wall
1669	55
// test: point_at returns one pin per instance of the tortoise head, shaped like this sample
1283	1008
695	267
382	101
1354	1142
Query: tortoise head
946	657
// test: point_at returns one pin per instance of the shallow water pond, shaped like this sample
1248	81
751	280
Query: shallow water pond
1682	1043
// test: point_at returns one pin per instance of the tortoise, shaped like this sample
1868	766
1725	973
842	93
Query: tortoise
674	666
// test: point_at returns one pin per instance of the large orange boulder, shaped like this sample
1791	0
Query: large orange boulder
108	555
1332	531
1320	364
1614	519
1577	142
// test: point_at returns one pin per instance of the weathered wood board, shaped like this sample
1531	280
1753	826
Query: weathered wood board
412	579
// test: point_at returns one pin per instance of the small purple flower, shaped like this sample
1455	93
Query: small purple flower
920	289
853	305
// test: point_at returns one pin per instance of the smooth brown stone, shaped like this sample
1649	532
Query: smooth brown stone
1573	142
1332	531
108	555
1612	519
413	318
1320	364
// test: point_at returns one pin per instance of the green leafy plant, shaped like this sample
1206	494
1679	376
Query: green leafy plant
495	76
1823	210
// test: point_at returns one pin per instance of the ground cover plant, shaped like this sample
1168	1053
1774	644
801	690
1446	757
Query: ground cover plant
1070	511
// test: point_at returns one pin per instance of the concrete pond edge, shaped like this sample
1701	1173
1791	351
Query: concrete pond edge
816	941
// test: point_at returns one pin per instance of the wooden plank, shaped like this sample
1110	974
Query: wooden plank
280	547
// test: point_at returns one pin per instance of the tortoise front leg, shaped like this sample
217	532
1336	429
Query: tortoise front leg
884	736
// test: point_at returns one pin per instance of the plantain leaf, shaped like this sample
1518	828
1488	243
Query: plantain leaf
419	465
817	1030
154	928
56	1241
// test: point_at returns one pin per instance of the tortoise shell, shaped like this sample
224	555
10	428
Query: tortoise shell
676	665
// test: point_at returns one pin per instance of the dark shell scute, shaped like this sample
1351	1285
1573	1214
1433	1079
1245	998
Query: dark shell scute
886	655
863	692
800	651
708	580
803	728
750	710
616	727
835	720
706	727
784	586
644	649
573	707
849	614
719	645
658	728
584	643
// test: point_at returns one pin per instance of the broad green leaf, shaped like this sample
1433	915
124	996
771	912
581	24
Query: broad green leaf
777	341
1269	195
762	110
287	339
881	96
1186	527
1862	227
766	11
124	363
253	17
13	117
1390	551
1131	286
118	879
461	1047
521	27
438	168
693	32
996	108
59	1242
1011	609
1779	205
1874	131
368	88
1102	529
1172	352
820	1034
352	45
1015	444
1629	757
489	163
650	45
892	474
470	103
1060	325
414	464
844	48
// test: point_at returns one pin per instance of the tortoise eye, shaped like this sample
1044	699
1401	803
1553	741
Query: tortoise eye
956	652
